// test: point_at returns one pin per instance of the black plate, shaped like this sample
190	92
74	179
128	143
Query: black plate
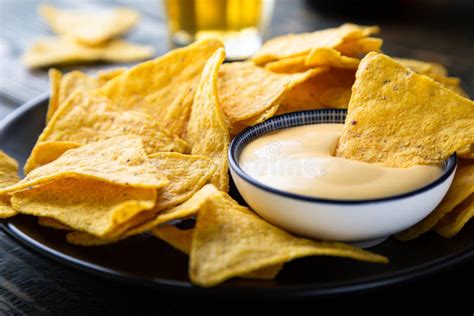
148	261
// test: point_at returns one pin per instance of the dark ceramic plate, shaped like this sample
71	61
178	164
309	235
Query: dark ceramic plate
148	261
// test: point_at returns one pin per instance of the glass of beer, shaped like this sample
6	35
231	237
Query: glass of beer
239	24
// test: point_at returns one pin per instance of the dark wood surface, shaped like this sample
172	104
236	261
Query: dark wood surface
32	284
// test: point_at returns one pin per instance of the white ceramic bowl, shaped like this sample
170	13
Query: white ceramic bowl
361	222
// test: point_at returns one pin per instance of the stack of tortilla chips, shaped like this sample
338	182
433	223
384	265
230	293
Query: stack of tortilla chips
86	37
133	151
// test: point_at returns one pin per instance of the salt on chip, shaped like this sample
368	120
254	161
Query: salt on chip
91	28
184	210
455	220
86	118
119	161
359	47
325	56
8	176
247	91
62	51
208	131
55	77
389	104
46	152
164	87
461	188
182	240
329	89
88	205
292	45
229	240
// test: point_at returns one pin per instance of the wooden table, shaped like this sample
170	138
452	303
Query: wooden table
32	284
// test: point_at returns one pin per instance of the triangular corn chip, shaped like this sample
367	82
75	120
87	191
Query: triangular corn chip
61	51
359	47
86	118
325	56
46	152
300	44
229	240
461	188
184	210
288	65
84	204
55	77
119	161
163	87
208	131
8	176
422	67
53	223
454	221
247	91
401	119
91	28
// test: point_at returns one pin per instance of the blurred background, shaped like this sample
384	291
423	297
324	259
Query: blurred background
431	30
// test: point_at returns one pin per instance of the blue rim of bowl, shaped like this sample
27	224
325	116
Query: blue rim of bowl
274	124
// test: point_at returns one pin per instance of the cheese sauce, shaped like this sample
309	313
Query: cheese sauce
301	160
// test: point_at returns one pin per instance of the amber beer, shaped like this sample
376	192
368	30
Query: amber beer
238	23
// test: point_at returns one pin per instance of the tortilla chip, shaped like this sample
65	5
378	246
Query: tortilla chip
53	223
61	51
54	86
423	67
8	176
389	104
461	188
46	152
330	89
229	240
86	118
454	221
288	65
208	131
119	161
184	210
466	152
182	239
106	75
359	47
325	56
164	87
292	45
92	28
451	83
247	91
84	204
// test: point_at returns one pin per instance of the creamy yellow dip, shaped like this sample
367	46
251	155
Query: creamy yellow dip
301	160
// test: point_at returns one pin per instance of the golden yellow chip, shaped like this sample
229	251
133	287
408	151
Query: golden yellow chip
247	91
46	152
388	105
86	118
330	89
184	210
91	28
245	243
461	188
163	87
8	176
292	45
182	239
119	161
422	67
466	152
61	51
325	56
53	223
454	221
451	83
208	131
106	75
84	204
55	77
288	65
359	47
